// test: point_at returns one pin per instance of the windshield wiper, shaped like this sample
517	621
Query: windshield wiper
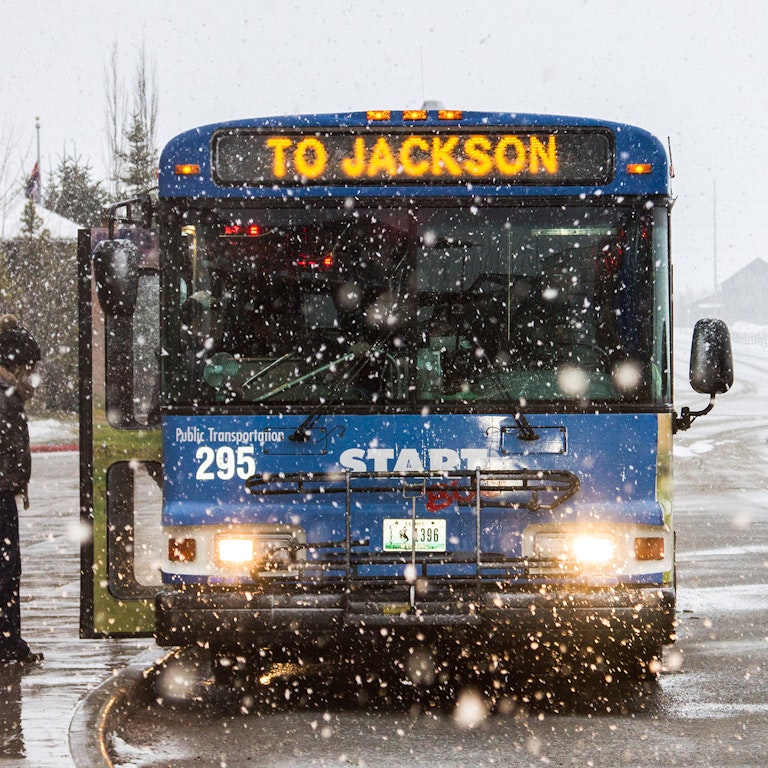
300	379
524	429
266	369
301	435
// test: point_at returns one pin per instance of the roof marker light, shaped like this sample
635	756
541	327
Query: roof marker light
639	168
449	114
187	169
414	114
377	114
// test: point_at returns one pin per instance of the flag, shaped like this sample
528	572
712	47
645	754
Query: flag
33	184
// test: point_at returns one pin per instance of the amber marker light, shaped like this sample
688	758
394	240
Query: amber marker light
414	114
182	550
377	114
449	114
649	548
639	169
187	169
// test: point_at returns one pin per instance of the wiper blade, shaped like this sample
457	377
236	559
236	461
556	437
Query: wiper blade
266	368
524	429
301	434
222	368
300	379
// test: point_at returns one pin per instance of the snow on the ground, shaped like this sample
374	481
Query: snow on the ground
695	449
52	431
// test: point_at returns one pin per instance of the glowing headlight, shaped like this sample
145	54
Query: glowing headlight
594	549
230	550
586	548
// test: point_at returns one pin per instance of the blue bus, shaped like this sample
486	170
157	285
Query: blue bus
387	374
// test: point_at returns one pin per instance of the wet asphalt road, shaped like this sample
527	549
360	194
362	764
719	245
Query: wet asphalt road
709	706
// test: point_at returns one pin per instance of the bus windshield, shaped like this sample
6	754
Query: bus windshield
431	304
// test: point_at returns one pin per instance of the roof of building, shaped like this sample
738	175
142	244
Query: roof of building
756	268
58	227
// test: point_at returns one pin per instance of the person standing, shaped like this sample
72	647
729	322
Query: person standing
19	355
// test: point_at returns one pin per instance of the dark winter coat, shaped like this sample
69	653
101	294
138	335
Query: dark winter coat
15	457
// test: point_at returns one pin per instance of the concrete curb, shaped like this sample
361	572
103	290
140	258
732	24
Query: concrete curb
45	448
101	711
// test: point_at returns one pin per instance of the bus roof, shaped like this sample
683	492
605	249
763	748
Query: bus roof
639	159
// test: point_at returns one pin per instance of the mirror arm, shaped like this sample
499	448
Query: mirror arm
687	416
144	205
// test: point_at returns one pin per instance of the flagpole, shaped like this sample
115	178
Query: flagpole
714	229
40	182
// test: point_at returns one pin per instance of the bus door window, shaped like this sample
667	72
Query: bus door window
146	350
618	295
661	362
631	289
132	337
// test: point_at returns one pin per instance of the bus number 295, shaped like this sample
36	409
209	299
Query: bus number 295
225	462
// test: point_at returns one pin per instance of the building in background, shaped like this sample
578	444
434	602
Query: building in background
741	298
58	227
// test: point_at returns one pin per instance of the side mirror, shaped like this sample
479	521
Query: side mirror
711	369
116	270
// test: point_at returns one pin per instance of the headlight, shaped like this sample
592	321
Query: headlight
599	550
585	548
236	550
232	550
594	549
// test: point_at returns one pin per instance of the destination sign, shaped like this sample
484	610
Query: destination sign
437	156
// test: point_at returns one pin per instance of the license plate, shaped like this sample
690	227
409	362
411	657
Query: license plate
401	533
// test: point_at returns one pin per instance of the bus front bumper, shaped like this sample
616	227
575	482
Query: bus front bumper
222	618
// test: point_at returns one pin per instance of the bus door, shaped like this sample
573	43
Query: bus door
120	446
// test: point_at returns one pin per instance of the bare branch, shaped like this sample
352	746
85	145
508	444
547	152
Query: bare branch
116	120
10	187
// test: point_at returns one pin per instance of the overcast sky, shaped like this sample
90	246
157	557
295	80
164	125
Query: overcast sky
696	72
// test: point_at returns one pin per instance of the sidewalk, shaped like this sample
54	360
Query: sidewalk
37	703
47	435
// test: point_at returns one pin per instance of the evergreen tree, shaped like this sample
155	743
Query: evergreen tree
38	284
31	223
132	137
139	158
73	193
